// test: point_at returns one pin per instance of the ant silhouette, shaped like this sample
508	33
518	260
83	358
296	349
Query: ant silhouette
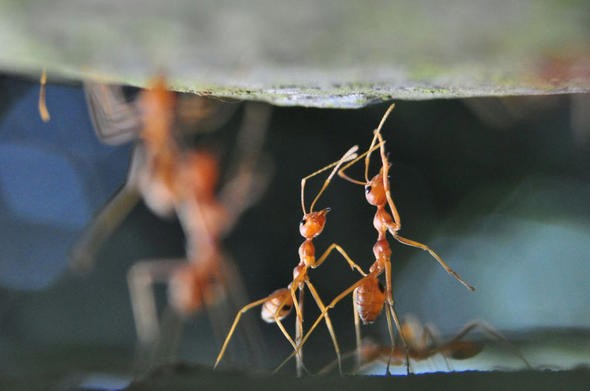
185	182
278	304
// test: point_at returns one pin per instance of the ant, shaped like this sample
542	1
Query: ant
184	182
422	345
278	304
369	295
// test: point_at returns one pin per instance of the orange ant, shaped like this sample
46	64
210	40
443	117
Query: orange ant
184	182
278	304
422	345
369	295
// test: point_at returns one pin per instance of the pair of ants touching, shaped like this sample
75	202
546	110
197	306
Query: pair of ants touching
173	179
368	294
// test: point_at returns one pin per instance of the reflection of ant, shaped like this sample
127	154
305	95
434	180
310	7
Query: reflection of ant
173	180
277	305
368	293
422	345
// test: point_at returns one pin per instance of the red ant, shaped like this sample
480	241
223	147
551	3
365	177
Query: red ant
42	105
278	305
369	295
422	345
184	182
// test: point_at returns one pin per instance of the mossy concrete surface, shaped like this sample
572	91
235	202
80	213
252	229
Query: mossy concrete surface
326	54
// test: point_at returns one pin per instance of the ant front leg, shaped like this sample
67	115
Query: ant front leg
320	317
348	259
115	120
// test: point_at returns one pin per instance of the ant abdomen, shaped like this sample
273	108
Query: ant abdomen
369	299
278	306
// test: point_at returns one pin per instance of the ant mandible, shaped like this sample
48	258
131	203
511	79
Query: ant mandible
278	305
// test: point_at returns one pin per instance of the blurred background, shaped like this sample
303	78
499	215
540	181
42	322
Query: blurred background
499	187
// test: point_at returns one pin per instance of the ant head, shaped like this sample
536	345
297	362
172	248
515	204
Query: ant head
312	223
375	190
278	306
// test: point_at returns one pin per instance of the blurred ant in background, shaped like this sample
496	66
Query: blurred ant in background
278	305
181	181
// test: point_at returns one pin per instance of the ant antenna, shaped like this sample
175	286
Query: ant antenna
349	155
375	132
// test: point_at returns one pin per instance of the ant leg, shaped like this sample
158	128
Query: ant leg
376	135
348	155
345	167
109	218
368	155
42	105
391	340
115	121
430	345
299	333
488	329
141	278
247	182
424	247
357	331
320	317
337	247
390	302
386	185
242	311
329	325
236	295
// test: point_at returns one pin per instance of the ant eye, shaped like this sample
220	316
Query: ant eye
368	189
303	221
